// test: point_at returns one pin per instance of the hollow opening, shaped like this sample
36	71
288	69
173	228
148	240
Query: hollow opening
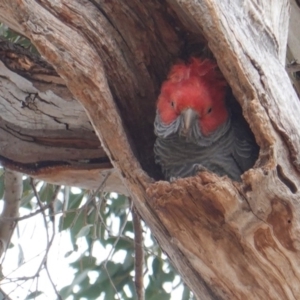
217	137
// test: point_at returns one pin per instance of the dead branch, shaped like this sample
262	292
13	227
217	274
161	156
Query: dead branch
13	186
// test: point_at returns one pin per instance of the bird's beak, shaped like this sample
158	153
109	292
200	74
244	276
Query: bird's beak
189	115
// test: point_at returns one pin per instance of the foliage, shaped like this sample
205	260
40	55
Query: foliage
16	38
104	269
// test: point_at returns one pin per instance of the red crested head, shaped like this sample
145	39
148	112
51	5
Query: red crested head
198	85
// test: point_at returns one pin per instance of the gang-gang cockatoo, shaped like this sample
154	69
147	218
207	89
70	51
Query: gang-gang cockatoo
195	127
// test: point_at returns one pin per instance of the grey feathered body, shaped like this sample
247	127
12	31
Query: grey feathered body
230	150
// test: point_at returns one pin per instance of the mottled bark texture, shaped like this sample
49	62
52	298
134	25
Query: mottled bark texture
44	130
13	186
228	240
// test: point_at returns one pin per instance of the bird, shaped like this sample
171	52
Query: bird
195	127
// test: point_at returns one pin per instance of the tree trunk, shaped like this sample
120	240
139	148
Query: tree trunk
228	240
40	116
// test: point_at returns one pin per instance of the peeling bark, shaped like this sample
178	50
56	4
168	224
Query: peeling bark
40	116
228	240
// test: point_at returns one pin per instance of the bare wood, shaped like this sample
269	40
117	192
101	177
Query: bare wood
7	18
48	117
13	188
40	117
228	240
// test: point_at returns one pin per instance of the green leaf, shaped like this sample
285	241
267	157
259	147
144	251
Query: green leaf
113	268
128	261
58	206
46	192
169	276
84	231
156	266
128	227
26	199
67	254
33	295
66	220
119	205
79	277
65	292
20	256
122	243
75	200
74	219
91	292
131	286
108	291
186	294
84	263
79	222
162	295
102	278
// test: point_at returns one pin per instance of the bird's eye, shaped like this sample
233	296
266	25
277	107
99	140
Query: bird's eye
209	110
172	104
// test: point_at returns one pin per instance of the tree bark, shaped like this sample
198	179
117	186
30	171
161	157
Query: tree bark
40	117
13	192
228	240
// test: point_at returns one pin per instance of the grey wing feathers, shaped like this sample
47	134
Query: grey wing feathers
245	148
